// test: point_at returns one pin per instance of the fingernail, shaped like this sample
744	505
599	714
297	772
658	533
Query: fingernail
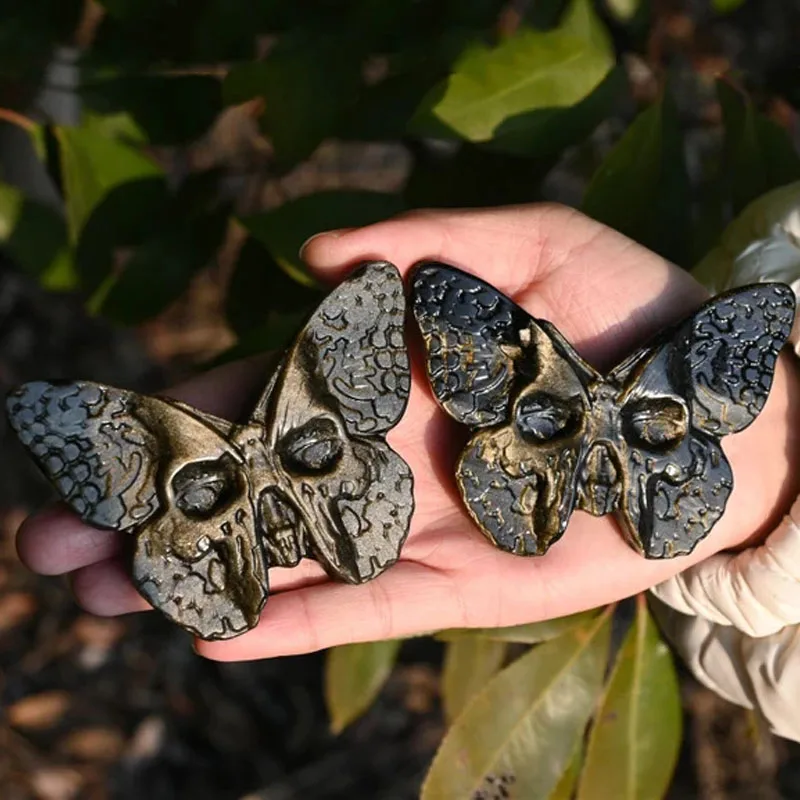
334	234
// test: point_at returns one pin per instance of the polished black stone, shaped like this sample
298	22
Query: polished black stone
552	435
210	504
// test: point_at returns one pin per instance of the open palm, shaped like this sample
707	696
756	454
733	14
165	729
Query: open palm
607	295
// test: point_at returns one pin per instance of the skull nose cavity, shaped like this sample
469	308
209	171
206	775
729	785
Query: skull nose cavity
283	527
600	480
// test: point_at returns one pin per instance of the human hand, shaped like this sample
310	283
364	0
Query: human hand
607	295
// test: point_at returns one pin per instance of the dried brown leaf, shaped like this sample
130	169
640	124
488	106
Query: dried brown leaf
94	744
147	739
56	783
15	608
38	711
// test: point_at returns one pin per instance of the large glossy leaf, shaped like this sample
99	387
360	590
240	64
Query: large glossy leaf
641	188
514	89
726	6
473	177
28	34
261	294
553	132
633	745
140	33
759	154
168	109
522	729
354	674
160	270
625	10
532	633
91	166
126	216
469	662
565	788
306	92
36	238
284	230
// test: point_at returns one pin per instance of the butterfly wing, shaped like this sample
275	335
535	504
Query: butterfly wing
469	329
727	354
493	366
162	471
718	365
99	456
343	386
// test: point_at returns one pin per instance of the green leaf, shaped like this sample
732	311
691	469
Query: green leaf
474	177
469	662
522	729
274	336
515	88
641	188
126	216
160	270
91	166
261	294
532	633
36	238
633	746
28	34
726	6
354	675
625	10
306	92
565	788
759	154
284	230
554	132
168	109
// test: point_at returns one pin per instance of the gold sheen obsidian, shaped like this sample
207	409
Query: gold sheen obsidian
211	505
551	434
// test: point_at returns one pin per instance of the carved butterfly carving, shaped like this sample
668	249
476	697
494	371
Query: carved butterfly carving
553	435
213	504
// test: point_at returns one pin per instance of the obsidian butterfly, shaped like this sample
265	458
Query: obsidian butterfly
212	504
553	435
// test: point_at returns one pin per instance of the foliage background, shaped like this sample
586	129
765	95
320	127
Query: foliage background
162	161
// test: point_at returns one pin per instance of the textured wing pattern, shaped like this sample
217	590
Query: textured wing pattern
466	324
673	502
375	520
344	385
360	352
522	505
729	350
86	441
216	597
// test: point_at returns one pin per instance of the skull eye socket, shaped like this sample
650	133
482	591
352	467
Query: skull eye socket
203	488
312	448
657	423
541	417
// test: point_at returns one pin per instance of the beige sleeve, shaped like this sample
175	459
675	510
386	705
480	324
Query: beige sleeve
735	620
755	672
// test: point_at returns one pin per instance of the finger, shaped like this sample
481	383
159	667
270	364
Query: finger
395	604
55	541
105	588
412	598
557	263
504	243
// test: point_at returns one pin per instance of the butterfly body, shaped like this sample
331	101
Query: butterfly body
551	435
212	504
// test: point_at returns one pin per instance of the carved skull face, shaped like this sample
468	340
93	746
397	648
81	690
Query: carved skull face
201	543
